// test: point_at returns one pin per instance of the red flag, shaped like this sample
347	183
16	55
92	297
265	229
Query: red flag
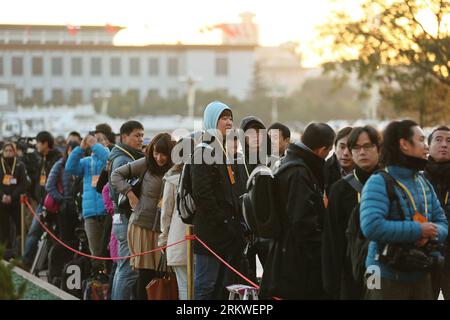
227	30
73	29
110	28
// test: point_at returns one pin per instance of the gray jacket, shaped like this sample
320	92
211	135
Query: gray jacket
146	210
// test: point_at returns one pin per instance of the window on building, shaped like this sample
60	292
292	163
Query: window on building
96	66
38	96
115	92
153	66
76	97
135	69
134	95
37	66
57	66
1	66
172	67
221	66
57	97
222	91
17	66
95	94
77	66
115	66
153	93
18	95
172	93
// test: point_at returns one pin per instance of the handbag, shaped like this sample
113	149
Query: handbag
49	203
164	286
136	187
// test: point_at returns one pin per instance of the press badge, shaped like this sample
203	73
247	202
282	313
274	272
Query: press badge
42	180
7	179
231	174
419	218
94	181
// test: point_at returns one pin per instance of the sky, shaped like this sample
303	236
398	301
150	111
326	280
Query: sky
168	21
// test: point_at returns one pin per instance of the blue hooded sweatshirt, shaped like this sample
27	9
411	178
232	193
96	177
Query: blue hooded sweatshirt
212	114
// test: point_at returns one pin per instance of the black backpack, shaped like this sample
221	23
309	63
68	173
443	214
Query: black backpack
357	243
184	200
259	204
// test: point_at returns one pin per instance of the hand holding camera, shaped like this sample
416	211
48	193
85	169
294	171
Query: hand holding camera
88	141
429	230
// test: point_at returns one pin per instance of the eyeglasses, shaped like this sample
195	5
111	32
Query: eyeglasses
366	147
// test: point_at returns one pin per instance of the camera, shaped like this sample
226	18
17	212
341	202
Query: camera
92	133
408	258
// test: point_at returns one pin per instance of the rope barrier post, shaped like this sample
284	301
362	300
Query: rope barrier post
190	263
22	223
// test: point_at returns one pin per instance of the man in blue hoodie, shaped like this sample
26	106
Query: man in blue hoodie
216	185
412	222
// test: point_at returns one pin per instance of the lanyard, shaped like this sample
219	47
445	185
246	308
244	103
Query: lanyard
13	167
129	154
446	198
43	172
229	168
411	197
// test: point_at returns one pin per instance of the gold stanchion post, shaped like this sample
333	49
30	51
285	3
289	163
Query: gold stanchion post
190	263
22	223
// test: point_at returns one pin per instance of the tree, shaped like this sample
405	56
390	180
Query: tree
8	290
404	45
319	100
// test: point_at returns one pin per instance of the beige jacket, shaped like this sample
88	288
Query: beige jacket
173	229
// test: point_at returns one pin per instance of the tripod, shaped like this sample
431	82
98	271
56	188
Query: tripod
44	245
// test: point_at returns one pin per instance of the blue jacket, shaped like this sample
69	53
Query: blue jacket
87	167
375	225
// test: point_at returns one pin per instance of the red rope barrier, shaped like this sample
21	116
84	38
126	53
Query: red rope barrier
88	255
225	263
187	237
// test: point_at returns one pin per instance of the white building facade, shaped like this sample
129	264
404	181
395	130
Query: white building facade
48	65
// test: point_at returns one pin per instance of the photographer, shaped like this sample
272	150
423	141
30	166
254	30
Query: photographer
438	172
405	231
13	182
89	168
47	158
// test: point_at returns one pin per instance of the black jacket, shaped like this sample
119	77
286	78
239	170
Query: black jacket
21	185
332	172
218	219
44	166
293	267
438	173
336	266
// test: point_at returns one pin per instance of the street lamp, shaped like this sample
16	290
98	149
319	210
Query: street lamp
275	93
105	95
190	82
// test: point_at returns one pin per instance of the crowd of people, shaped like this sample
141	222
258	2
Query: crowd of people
392	187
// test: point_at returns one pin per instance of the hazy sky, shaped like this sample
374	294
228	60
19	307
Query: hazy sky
172	20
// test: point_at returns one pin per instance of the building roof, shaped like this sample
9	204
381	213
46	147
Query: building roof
110	47
50	27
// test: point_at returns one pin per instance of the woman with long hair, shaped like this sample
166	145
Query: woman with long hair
144	227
